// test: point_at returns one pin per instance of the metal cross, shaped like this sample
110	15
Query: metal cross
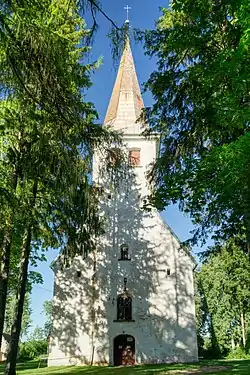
127	8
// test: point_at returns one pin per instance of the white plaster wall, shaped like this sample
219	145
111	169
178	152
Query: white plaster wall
163	306
71	335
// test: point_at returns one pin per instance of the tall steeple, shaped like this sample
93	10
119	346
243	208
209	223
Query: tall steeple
126	101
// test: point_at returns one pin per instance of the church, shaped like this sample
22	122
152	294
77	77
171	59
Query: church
131	301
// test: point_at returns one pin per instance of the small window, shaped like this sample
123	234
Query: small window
134	157
124	255
168	272
124	307
78	273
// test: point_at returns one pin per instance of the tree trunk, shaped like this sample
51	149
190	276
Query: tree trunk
16	326
232	343
4	275
247	211
11	360
5	265
243	330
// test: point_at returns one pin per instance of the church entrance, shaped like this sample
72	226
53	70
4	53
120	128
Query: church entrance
124	350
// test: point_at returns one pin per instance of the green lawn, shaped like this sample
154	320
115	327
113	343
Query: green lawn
237	367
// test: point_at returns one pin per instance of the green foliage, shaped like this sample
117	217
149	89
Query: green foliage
201	111
48	136
33	278
222	300
37	335
47	311
238	353
57	120
9	314
208	350
42	333
32	349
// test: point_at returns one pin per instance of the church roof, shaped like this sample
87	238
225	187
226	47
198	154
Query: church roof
126	100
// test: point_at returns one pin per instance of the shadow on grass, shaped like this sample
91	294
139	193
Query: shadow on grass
31	365
237	367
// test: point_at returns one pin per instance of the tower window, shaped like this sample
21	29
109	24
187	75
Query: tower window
124	255
134	157
124	307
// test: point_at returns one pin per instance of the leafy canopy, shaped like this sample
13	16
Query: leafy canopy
201	111
223	296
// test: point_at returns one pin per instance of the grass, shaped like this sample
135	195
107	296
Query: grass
237	367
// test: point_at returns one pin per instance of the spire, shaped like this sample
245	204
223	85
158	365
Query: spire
126	101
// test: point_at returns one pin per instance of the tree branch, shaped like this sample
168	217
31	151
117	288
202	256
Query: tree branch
93	4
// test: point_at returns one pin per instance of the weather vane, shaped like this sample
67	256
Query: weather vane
127	8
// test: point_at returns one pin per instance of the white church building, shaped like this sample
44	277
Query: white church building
131	301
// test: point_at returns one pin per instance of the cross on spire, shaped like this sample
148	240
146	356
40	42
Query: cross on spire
127	8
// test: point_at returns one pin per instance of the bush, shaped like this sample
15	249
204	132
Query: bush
209	351
238	353
32	349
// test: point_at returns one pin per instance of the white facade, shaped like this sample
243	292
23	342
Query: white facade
158	276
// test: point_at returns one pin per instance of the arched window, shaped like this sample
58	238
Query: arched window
124	255
124	307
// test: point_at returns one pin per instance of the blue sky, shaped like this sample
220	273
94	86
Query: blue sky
142	15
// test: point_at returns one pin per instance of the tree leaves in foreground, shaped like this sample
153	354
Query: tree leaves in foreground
201	111
223	299
43	333
48	136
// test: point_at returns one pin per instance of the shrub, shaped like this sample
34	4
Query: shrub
238	353
209	351
32	349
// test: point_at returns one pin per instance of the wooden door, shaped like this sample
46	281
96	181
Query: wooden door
124	350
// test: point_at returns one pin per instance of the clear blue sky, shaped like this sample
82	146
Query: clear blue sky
142	15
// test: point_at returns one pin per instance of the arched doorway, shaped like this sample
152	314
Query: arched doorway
124	350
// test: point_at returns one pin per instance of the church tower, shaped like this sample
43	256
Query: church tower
132	300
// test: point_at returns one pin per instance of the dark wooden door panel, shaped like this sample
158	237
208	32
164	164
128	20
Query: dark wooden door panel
124	350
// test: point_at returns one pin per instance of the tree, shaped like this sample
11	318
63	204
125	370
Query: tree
223	297
32	349
32	64
9	314
49	135
43	333
37	335
201	112
47	310
14	261
33	278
